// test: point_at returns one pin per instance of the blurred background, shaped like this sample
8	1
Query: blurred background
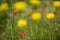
44	29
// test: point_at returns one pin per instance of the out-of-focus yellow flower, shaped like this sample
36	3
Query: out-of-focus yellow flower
4	6
22	23
0	7
20	5
35	2
56	3
50	16
36	16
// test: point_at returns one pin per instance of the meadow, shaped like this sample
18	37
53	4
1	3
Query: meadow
29	20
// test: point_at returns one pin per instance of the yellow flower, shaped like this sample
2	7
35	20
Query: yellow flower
35	2
56	3
36	16
20	5
22	23
50	16
4	6
0	8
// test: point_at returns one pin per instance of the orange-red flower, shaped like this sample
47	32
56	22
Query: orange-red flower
24	34
15	11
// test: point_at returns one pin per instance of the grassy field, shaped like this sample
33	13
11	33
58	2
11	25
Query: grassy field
42	29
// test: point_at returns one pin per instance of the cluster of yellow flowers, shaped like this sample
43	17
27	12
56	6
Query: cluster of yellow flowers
3	6
22	5
35	17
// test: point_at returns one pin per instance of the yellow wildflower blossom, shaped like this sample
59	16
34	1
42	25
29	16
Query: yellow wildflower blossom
56	3
36	16
50	16
4	6
35	2
22	23
0	8
20	5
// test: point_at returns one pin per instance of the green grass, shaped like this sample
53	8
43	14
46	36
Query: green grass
41	30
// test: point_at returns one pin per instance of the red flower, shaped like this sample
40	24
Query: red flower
24	34
15	11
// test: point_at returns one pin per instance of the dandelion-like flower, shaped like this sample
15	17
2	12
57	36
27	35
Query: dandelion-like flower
22	23
20	6
50	16
56	3
0	7
35	2
36	16
4	6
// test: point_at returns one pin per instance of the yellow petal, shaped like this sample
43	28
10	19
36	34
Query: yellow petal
22	23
